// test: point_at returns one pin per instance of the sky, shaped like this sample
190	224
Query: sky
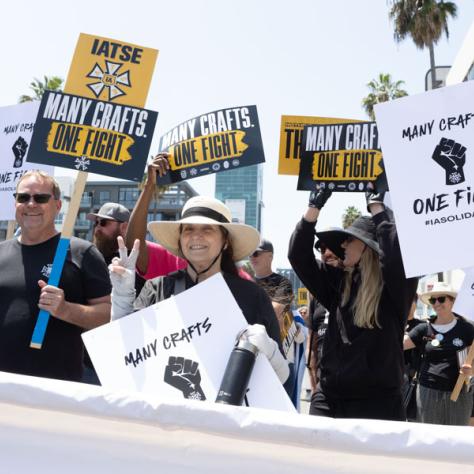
305	57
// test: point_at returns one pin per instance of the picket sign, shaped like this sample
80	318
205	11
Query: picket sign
89	50
462	379
457	73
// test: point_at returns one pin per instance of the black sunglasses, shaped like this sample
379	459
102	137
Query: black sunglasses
257	253
441	299
40	198
103	222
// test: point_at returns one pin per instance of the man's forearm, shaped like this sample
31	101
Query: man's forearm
86	316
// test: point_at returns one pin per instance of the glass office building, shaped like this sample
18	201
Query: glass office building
244	184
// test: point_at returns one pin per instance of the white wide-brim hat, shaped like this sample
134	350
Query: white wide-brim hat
206	210
440	288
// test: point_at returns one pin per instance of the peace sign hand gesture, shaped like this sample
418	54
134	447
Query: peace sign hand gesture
122	269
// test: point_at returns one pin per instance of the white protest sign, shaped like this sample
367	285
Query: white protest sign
428	148
190	337
16	128
464	304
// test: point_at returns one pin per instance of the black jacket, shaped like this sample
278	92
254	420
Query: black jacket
372	363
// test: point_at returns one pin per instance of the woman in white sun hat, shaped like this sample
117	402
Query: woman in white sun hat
443	343
210	242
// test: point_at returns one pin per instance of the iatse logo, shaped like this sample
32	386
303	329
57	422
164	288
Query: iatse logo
451	156
110	78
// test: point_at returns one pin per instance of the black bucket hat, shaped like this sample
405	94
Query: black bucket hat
363	229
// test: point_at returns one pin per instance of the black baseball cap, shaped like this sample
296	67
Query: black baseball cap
264	246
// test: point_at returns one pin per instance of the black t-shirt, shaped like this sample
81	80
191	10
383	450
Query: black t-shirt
277	287
440	368
252	300
412	356
85	276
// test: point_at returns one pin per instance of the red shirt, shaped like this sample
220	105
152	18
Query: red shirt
161	262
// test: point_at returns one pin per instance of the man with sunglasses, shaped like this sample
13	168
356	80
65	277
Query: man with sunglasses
81	300
277	286
110	221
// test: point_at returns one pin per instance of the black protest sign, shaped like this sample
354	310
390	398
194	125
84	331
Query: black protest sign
90	135
216	141
341	157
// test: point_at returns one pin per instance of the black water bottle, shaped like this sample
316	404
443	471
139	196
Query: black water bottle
237	373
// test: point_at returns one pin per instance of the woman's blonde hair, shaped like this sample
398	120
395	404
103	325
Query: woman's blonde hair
366	304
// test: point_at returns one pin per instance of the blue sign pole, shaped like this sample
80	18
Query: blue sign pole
43	316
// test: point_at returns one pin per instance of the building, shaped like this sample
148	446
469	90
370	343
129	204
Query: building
241	190
166	208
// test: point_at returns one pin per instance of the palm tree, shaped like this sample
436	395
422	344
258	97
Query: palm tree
424	21
350	215
53	83
382	89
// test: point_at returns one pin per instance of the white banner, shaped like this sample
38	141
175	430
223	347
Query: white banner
428	149
180	348
16	128
464	304
51	426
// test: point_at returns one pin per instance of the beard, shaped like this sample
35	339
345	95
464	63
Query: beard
106	245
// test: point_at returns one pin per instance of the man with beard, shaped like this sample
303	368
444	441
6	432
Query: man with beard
109	222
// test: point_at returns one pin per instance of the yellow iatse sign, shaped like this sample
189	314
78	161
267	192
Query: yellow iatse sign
111	70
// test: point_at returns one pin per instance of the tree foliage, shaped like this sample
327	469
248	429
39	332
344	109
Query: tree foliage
381	90
38	87
423	21
351	213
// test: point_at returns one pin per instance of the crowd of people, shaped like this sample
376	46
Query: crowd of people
359	321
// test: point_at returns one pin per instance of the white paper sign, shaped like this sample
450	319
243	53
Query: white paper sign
16	128
464	304
188	336
428	150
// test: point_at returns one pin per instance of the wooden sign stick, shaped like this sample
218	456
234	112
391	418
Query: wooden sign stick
60	256
462	378
10	230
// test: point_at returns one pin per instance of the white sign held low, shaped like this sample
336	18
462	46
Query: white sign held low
180	348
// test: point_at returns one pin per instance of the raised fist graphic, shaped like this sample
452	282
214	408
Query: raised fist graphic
19	150
184	375
451	156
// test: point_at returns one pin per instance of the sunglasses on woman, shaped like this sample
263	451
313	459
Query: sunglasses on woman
39	198
440	299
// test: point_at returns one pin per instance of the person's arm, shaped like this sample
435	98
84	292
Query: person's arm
313	360
401	289
319	279
408	343
137	225
416	337
95	313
